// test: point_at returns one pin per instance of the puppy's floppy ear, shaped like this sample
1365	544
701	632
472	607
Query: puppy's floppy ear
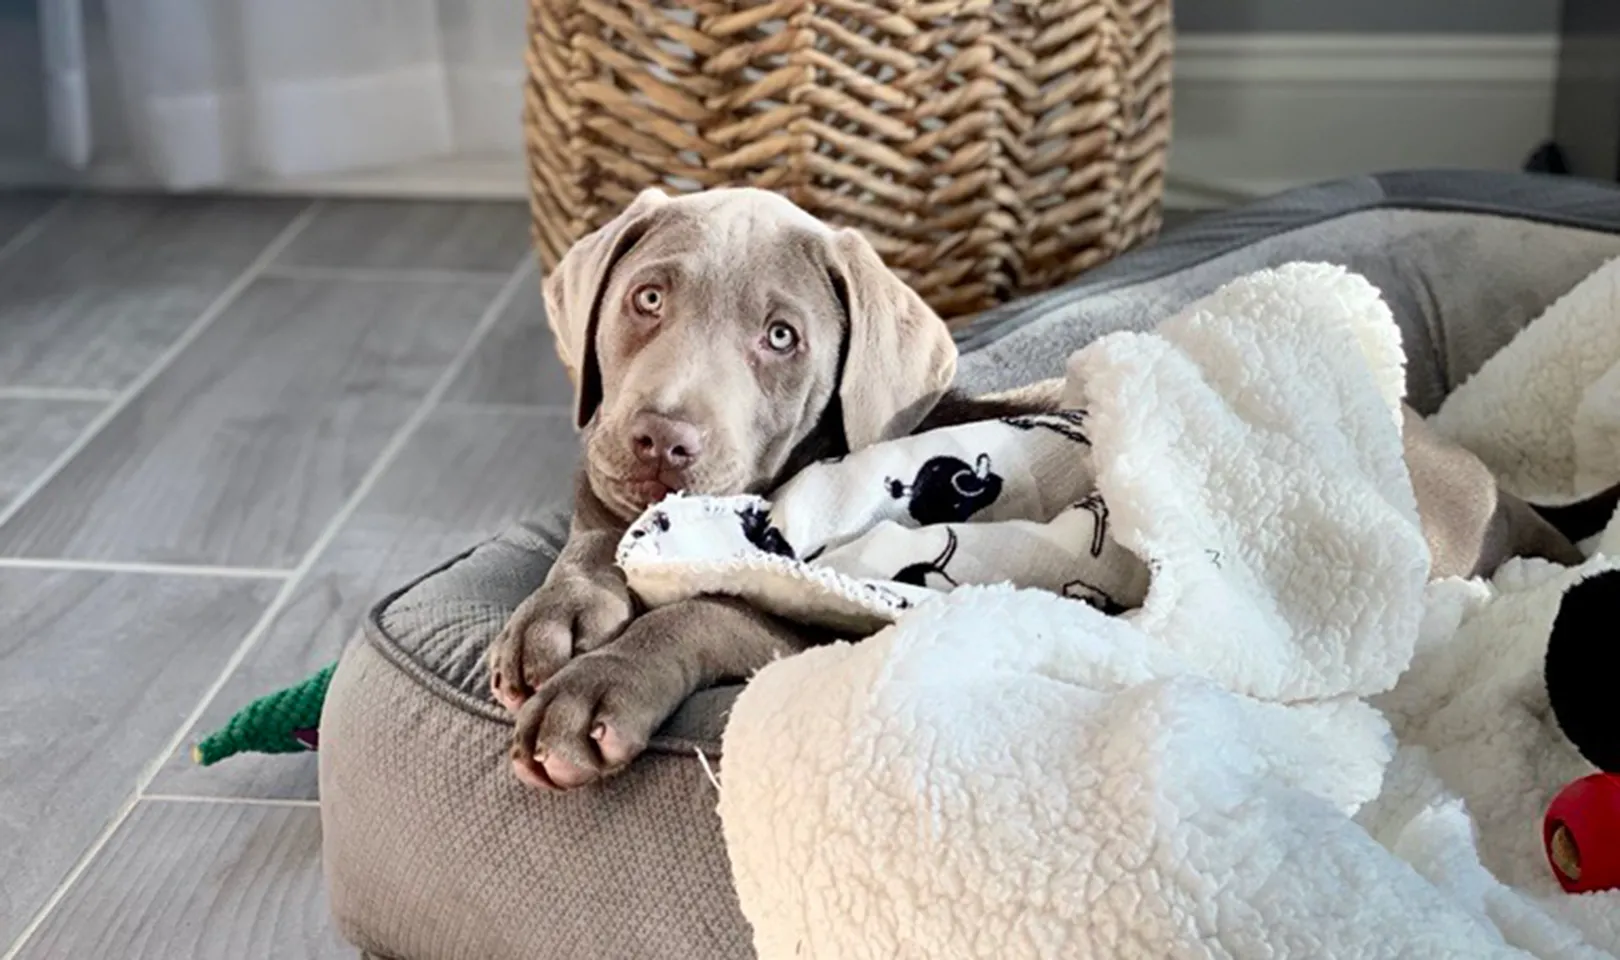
899	357
574	296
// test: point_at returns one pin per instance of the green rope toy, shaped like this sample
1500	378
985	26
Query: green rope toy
287	721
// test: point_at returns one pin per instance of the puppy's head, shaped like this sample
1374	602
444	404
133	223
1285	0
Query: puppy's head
710	337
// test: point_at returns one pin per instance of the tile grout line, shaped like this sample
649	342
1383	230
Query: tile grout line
156	569
133	389
125	397
286	271
396	443
35	227
230	801
62	394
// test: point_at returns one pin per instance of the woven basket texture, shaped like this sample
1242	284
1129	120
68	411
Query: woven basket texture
987	148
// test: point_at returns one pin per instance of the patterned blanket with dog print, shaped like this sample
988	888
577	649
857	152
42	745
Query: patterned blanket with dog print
855	542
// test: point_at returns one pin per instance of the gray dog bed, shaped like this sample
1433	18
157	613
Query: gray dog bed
435	852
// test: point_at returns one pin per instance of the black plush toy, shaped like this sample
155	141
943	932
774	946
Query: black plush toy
1583	659
1581	830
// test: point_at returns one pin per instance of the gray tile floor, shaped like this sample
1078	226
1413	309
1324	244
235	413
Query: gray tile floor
227	425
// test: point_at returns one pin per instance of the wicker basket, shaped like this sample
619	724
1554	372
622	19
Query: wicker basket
988	148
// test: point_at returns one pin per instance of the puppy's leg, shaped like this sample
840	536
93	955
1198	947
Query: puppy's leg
1471	525
583	604
598	712
1045	396
1582	518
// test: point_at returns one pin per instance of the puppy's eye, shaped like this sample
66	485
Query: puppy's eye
648	299
781	338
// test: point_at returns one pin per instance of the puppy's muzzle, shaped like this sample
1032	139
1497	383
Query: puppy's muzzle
665	450
664	444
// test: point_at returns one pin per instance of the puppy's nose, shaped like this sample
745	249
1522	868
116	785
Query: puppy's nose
665	441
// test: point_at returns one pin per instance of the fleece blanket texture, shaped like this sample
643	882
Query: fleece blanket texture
1291	746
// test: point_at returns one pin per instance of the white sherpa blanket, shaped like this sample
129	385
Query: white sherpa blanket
1292	748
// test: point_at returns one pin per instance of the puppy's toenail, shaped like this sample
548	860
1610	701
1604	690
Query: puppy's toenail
598	732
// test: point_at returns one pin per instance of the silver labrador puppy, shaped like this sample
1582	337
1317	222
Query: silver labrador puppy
718	342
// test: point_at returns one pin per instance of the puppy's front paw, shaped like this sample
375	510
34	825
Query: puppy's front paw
569	615
591	719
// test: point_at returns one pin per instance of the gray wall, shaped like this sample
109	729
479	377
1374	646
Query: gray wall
1367	16
22	120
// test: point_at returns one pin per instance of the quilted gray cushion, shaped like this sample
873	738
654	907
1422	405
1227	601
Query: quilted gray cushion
434	852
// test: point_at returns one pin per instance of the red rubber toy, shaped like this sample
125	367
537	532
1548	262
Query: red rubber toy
1582	834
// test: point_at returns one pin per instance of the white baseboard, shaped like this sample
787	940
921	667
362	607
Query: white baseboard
1254	113
1258	113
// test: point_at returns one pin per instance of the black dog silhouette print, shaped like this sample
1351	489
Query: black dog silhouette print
947	489
1067	423
1093	504
1086	593
917	574
756	526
